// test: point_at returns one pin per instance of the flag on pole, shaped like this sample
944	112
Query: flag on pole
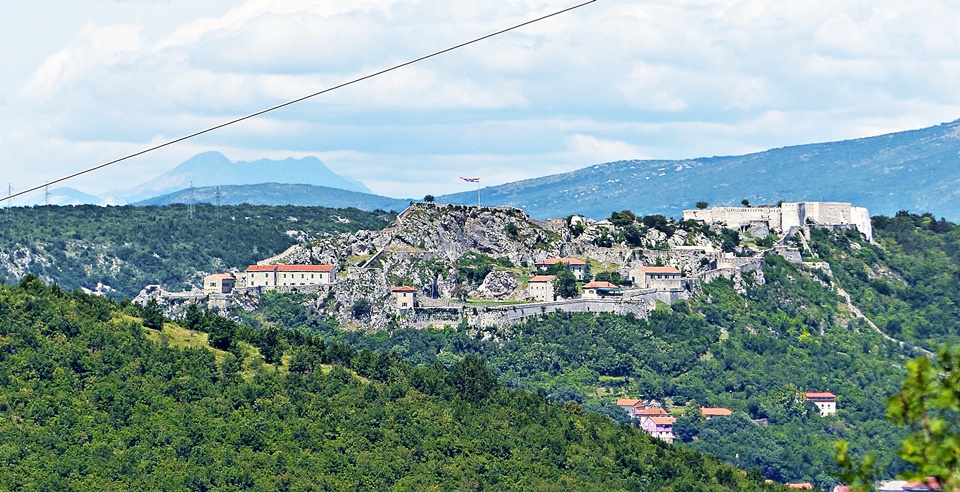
472	180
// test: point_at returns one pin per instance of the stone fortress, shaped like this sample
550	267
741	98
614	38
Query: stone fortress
788	217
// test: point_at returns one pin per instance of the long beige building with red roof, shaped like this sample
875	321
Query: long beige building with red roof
274	276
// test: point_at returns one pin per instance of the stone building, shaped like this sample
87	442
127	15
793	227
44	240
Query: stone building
405	296
541	288
656	277
219	283
273	276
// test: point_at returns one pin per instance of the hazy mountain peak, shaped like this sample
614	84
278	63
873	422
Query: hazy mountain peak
214	169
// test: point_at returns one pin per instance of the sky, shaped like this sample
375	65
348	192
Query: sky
88	81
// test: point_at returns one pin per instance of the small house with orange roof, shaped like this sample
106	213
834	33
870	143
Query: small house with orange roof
711	412
577	266
800	485
406	297
641	412
824	400
659	427
656	277
541	288
598	289
627	404
219	283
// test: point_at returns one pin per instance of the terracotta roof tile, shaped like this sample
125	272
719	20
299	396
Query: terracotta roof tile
541	278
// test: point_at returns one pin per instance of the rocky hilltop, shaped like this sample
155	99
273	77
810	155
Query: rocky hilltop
474	264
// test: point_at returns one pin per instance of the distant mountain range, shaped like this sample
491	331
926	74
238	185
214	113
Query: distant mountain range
280	194
213	169
915	170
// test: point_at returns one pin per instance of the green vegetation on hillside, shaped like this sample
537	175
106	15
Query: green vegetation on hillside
89	402
753	352
127	248
908	283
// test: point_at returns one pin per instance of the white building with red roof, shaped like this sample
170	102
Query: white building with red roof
273	276
825	401
541	288
598	289
577	266
656	277
406	297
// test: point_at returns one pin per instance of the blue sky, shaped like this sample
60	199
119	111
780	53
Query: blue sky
87	81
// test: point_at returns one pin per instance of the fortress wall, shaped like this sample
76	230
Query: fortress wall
827	212
789	216
736	217
861	218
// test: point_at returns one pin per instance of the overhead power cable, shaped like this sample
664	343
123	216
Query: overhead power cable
291	102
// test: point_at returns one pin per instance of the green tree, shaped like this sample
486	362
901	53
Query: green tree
564	282
929	404
702	205
745	202
152	315
429	198
622	218
361	308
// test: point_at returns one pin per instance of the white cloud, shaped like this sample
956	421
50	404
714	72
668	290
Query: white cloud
617	79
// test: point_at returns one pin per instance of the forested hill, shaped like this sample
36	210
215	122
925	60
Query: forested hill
750	347
92	400
119	250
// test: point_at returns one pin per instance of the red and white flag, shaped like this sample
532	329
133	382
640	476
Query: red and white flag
472	180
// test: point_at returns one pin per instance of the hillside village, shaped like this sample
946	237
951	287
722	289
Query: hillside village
450	264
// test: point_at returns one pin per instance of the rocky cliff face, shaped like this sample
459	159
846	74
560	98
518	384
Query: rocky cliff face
455	251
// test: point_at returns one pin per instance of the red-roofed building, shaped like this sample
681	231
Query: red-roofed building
578	267
641	412
273	276
711	412
406	297
541	288
219	283
598	289
659	427
627	404
825	401
656	277
929	484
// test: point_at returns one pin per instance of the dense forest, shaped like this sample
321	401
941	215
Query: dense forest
752	353
91	399
908	283
123	249
751	348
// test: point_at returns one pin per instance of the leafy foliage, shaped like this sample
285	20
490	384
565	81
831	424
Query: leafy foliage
909	282
128	247
88	402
